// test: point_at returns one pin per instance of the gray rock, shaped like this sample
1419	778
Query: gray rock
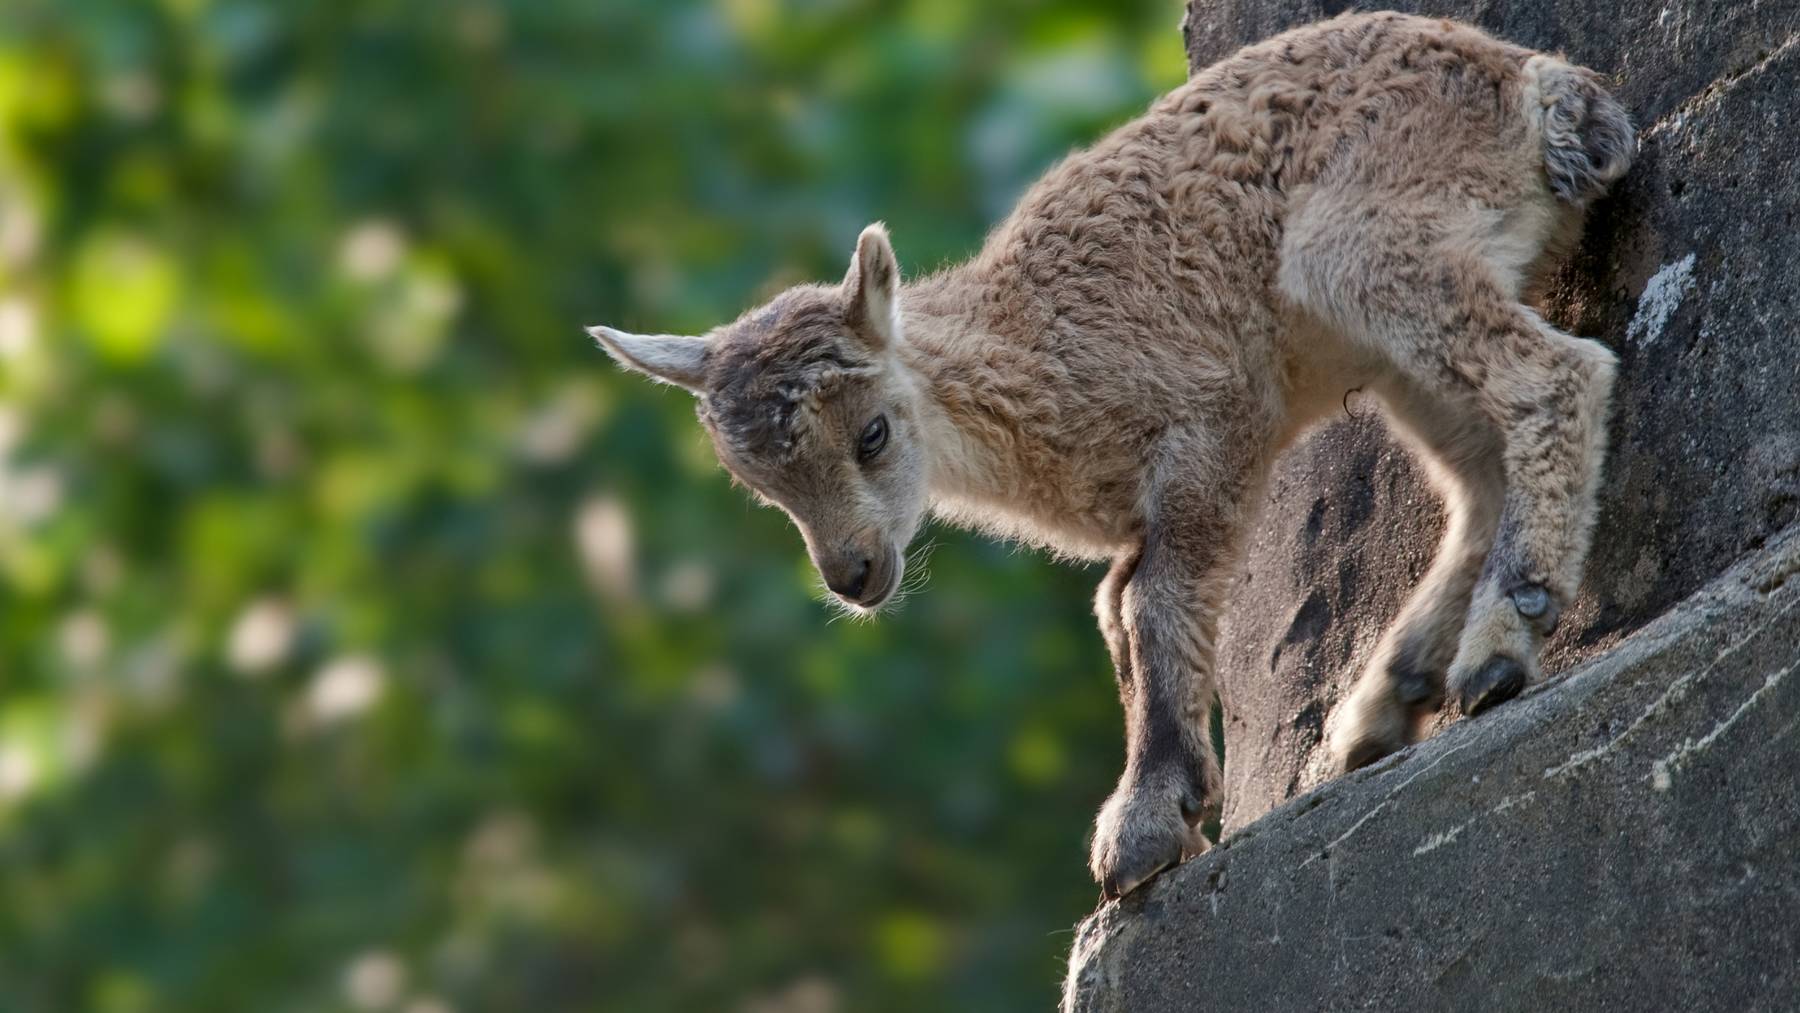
1625	838
1628	835
1689	272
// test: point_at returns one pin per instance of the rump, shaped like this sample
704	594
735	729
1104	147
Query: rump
1588	139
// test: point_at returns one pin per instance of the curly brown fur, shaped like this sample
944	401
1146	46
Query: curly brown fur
1356	204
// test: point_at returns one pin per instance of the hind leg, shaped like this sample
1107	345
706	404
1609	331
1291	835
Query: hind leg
1404	681
1411	287
1553	390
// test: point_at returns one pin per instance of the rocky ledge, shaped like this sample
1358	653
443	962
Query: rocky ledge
1626	837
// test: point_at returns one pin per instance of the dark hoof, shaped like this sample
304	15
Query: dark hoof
1366	752
1417	685
1134	871
1496	682
1124	882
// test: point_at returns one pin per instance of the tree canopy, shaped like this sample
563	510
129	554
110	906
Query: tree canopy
368	641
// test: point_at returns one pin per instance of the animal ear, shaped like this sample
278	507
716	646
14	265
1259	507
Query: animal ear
873	288
670	358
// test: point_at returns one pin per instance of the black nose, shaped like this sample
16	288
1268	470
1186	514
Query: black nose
852	588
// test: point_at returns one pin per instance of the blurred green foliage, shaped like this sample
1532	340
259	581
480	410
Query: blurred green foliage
367	641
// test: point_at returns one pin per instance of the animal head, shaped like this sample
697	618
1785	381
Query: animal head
808	406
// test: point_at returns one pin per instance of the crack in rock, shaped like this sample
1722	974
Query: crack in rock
1438	840
1383	804
1715	90
1661	770
1676	690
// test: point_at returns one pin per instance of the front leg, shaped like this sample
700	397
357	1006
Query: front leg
1162	630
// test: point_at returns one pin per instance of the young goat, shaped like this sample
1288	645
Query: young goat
1358	203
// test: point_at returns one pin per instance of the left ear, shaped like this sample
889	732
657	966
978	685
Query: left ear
670	358
873	289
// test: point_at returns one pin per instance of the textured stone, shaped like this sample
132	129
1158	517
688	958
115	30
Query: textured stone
1625	838
1688	272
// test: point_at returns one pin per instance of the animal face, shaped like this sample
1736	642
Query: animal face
808	407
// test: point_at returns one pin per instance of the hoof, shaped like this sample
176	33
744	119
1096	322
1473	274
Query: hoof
1378	719
1417	683
1139	834
1136	867
1361	754
1496	682
1195	843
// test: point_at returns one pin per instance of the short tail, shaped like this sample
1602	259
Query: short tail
1588	139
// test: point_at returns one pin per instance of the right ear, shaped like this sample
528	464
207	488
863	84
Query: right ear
872	288
670	358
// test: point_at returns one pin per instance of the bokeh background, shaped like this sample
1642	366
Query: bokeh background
368	642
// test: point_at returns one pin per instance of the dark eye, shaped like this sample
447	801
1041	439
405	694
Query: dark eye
874	437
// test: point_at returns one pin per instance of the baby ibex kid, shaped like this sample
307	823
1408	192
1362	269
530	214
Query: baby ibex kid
1358	203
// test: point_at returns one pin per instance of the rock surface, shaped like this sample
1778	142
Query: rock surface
1688	271
1625	838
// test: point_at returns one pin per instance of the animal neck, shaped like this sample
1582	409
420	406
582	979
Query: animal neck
969	382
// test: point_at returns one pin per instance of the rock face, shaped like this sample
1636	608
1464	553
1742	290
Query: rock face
1688	271
1625	838
1628	836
